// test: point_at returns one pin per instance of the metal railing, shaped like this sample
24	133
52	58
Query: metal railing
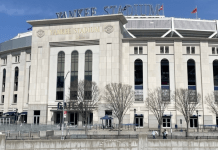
169	137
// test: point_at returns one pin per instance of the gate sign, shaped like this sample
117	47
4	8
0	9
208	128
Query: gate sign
65	114
127	10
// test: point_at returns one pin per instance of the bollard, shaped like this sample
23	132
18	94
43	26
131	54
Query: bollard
8	133
29	134
19	134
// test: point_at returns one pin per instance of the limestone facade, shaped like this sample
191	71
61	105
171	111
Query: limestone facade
113	61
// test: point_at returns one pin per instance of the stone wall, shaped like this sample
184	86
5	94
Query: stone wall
142	143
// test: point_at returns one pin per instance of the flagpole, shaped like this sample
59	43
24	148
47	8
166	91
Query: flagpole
163	9
196	13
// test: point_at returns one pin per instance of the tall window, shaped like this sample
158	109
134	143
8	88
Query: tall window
215	78
3	80
165	80
29	83
16	79
191	79
74	76
138	80
60	76
88	74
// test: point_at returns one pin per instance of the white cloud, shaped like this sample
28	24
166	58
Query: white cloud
12	11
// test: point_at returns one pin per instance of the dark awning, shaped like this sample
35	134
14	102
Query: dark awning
106	117
10	113
23	113
139	115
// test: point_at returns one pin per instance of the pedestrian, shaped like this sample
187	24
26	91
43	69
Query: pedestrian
166	133
153	133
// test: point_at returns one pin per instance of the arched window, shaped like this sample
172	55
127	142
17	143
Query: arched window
74	76
16	79
215	74
191	80
88	74
191	74
60	76
3	80
165	80
29	83
215	79
138	80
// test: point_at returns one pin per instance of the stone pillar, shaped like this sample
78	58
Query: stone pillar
2	142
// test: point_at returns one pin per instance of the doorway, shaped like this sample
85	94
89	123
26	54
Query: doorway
139	121
194	122
73	118
36	116
58	118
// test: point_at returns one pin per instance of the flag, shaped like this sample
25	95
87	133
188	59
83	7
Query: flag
194	11
30	29
161	7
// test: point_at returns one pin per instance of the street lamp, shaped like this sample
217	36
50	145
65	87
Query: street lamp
197	120
63	107
171	124
134	120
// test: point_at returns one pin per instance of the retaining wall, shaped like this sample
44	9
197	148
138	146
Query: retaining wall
107	144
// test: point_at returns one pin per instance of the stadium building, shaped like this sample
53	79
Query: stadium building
143	51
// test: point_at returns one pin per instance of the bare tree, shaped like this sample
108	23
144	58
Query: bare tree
84	99
120	98
212	102
157	101
186	103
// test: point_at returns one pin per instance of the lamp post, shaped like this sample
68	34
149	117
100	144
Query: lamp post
197	120
171	124
63	108
134	120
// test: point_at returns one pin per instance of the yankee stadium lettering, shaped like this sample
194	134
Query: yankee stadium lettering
127	10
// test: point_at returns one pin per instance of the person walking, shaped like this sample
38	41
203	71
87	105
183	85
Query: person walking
164	134
153	133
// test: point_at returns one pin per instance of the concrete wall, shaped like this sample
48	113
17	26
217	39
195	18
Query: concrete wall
142	143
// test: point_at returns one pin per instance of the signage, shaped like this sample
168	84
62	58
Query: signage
127	10
75	30
65	114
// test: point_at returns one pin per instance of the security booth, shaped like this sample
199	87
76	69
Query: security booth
22	117
139	120
108	121
12	115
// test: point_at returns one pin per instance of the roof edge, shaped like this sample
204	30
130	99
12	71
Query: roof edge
119	17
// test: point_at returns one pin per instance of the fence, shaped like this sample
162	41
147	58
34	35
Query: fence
183	137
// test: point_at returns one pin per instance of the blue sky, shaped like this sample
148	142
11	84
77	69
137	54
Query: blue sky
15	13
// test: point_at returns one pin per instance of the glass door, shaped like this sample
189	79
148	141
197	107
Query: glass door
139	121
73	118
193	122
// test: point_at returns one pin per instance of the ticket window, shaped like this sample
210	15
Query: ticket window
73	118
139	120
36	116
108	122
89	119
194	122
58	118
